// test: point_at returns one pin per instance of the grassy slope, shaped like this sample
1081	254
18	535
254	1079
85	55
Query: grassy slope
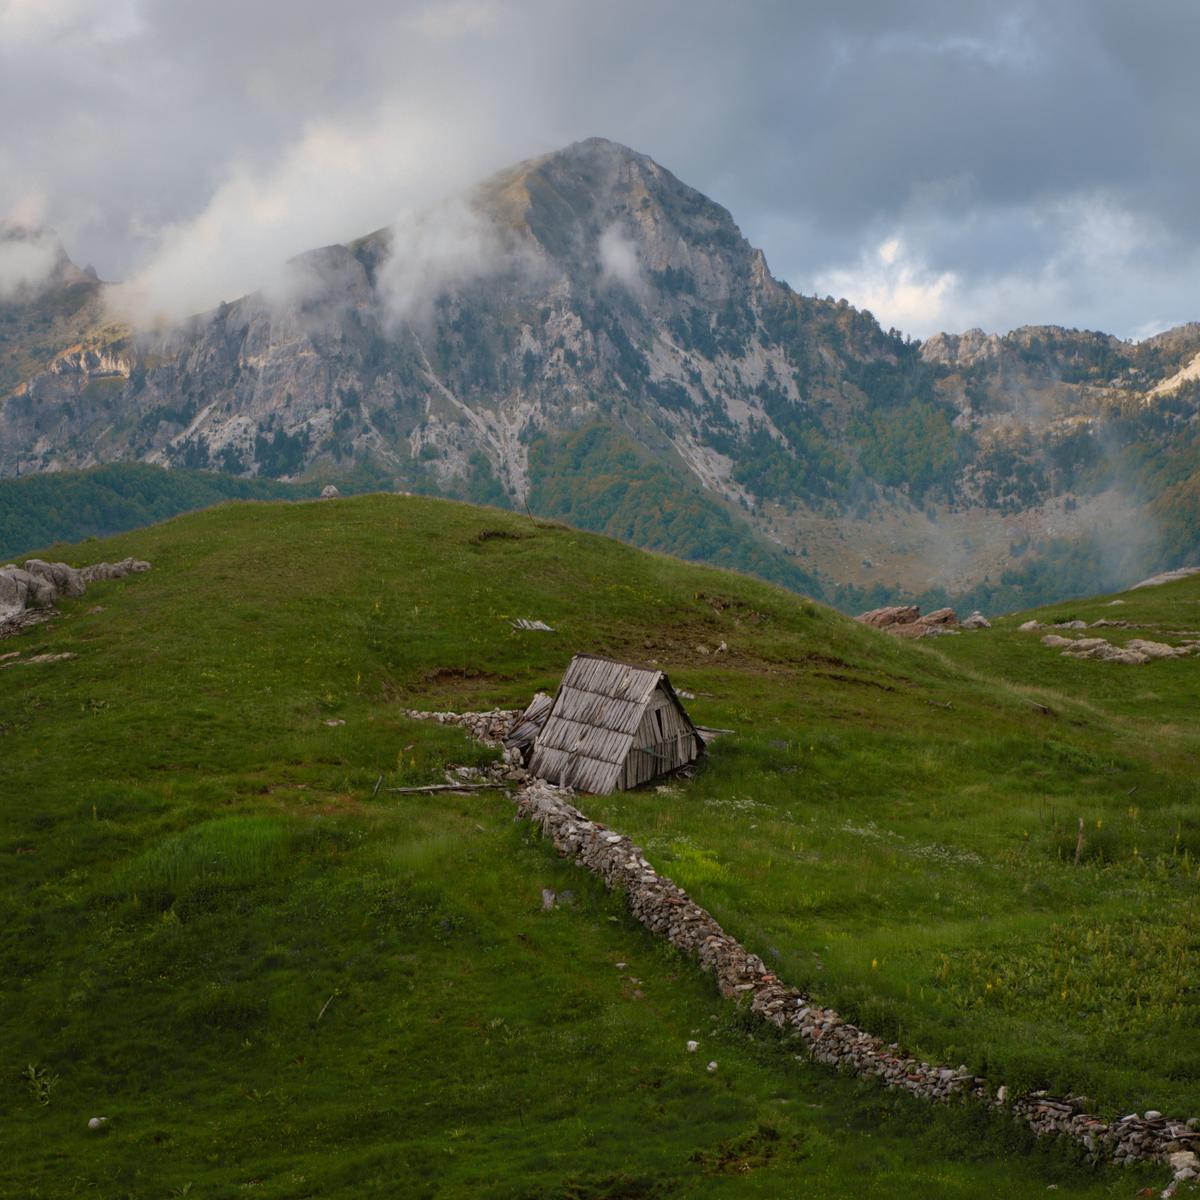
194	865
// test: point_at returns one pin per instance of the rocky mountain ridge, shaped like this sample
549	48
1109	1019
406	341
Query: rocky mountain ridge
586	335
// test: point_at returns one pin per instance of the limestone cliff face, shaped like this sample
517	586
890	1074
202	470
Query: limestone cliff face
604	288
591	288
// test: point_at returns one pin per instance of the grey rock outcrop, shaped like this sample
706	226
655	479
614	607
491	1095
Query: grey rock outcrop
117	570
40	585
892	614
66	580
906	621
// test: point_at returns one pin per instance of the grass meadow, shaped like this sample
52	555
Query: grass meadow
276	983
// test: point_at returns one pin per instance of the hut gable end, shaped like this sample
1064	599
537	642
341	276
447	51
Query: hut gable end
613	726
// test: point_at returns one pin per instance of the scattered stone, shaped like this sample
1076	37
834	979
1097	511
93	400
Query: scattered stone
548	899
712	1066
692	1047
95	1123
329	492
1157	649
1029	627
1054	641
333	721
1137	652
976	621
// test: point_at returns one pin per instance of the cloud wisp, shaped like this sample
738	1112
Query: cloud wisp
191	149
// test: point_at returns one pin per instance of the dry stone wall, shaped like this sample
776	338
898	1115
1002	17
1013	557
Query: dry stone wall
666	910
490	728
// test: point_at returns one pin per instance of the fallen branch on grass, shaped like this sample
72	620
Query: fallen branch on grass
452	787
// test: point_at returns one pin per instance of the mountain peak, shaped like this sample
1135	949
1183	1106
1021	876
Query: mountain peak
33	257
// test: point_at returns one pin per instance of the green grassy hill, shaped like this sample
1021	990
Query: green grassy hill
277	984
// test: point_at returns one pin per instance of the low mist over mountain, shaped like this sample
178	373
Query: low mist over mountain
585	335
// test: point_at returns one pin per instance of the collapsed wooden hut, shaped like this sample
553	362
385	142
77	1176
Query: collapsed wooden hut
612	726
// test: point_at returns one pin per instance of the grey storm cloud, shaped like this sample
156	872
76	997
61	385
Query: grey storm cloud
944	164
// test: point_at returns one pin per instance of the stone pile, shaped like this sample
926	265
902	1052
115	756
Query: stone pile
505	772
666	910
39	584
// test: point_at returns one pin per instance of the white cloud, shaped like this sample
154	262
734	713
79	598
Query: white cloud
1102	263
36	22
433	252
619	262
26	262
895	285
449	20
153	129
333	184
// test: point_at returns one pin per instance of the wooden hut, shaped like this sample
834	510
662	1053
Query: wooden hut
613	726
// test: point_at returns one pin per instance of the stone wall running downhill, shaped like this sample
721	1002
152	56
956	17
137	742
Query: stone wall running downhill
667	911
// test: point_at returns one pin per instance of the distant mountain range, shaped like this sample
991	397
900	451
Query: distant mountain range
586	336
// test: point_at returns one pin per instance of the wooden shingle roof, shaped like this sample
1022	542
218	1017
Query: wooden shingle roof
593	723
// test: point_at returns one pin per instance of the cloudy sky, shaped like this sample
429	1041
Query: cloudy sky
945	164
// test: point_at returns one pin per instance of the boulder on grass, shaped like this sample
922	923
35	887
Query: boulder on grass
893	614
